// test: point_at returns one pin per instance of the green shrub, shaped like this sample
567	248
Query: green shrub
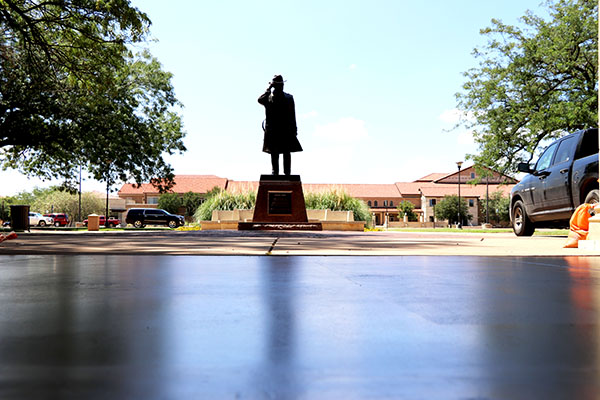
170	202
334	200
223	200
338	200
499	205
448	209
191	201
406	208
63	202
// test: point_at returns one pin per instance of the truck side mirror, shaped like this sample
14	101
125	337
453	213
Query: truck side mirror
524	167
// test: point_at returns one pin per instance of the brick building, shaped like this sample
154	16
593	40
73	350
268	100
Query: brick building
382	199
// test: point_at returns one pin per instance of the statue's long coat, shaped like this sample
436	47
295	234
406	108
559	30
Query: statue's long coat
280	125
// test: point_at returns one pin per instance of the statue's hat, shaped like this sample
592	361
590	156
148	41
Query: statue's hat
278	79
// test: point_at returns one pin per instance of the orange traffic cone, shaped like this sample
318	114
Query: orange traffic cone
11	235
580	225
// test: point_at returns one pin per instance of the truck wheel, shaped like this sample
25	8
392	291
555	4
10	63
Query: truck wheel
42	223
172	224
138	224
57	224
592	197
522	226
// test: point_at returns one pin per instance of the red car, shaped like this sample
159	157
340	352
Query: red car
60	219
110	223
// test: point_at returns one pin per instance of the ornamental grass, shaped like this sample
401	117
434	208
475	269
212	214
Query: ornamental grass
337	200
226	201
332	199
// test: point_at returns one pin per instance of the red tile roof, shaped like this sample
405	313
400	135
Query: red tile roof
242	186
357	190
466	176
204	183
433	177
354	190
183	184
441	190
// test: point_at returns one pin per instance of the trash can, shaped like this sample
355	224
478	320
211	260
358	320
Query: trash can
19	217
93	222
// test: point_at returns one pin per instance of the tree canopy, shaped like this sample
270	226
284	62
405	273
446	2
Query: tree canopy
499	207
71	93
170	202
53	199
534	82
191	201
68	203
406	208
448	209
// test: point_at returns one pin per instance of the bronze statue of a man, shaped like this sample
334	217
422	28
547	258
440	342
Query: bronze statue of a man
280	125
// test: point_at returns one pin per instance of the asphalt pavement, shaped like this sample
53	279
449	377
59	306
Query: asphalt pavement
297	315
319	327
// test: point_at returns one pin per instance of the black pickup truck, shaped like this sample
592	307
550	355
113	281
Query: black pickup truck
565	176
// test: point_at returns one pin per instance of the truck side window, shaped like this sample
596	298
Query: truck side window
566	150
546	158
589	144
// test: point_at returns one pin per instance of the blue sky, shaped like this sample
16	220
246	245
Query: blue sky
374	83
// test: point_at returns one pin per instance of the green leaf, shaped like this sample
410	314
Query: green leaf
533	83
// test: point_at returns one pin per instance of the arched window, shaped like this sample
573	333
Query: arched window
391	203
385	203
369	203
375	203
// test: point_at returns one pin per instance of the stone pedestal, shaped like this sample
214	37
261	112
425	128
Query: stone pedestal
280	205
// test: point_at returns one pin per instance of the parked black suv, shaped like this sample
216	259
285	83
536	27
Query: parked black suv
140	217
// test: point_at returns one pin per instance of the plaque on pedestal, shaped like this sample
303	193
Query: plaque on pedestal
279	205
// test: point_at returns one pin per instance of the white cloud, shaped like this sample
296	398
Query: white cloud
14	182
455	115
450	116
352	67
465	138
308	115
328	163
344	130
332	152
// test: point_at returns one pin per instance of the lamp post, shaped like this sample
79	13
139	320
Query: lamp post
79	215
487	200
459	164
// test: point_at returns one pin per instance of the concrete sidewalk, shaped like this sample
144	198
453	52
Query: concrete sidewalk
288	243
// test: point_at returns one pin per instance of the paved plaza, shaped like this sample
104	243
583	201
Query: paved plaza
289	243
144	326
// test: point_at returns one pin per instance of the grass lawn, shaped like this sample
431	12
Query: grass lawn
84	229
538	232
